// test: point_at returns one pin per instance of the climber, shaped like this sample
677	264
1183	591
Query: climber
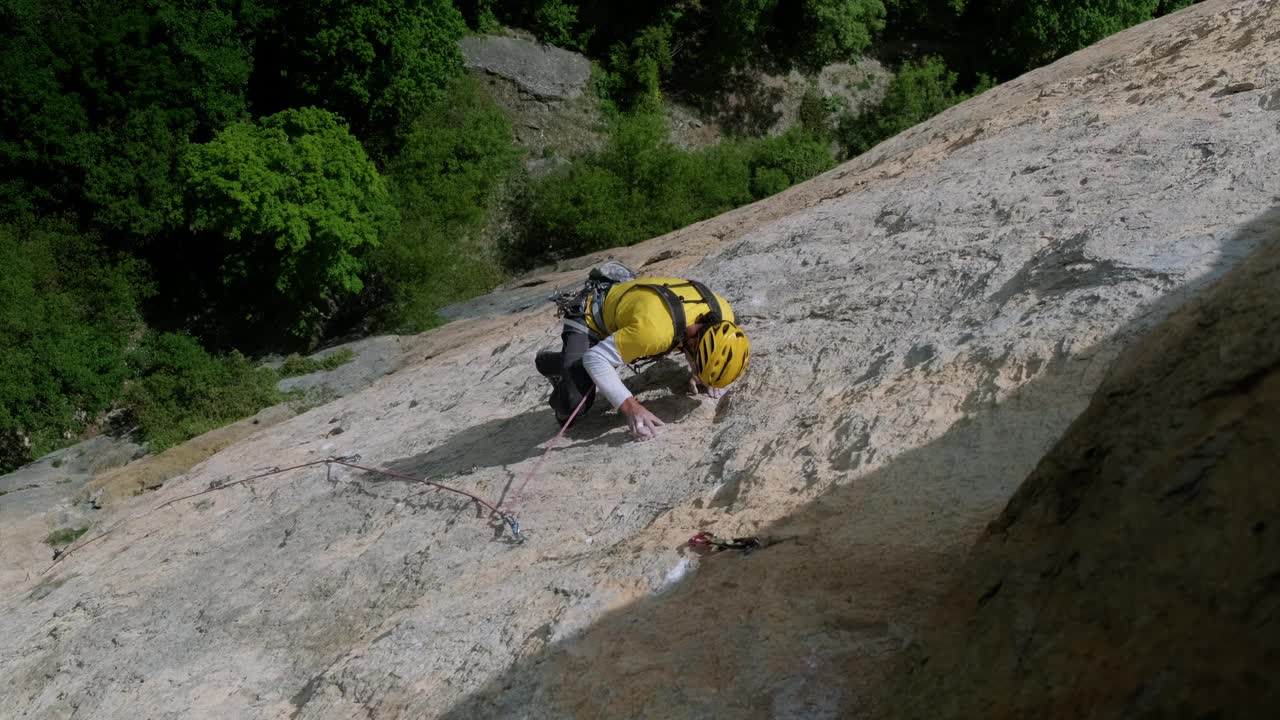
617	319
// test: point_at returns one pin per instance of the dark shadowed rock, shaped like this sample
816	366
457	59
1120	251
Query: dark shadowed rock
1136	573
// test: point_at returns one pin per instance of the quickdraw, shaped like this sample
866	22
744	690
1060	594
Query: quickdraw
707	541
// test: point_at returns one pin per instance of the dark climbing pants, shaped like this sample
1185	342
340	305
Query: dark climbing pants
574	380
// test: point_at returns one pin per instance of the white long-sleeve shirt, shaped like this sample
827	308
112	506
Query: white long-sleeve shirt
601	363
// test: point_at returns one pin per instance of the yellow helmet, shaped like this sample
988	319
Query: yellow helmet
723	351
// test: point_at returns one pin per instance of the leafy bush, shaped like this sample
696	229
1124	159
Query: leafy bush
295	365
641	185
295	204
796	155
181	391
827	31
920	89
814	113
378	63
554	21
640	66
1044	30
455	156
67	311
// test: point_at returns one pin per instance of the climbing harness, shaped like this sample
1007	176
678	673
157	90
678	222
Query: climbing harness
504	518
573	304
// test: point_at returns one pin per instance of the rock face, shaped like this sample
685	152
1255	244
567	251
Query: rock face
1137	571
544	71
541	88
927	320
759	104
50	494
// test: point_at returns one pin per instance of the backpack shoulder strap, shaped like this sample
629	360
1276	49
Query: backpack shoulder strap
708	297
675	306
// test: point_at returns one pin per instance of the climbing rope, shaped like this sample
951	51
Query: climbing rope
515	496
507	518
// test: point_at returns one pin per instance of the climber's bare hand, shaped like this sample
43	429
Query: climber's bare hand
642	423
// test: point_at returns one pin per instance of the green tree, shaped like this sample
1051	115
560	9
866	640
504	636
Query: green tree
377	63
642	64
736	28
919	90
554	22
67	311
443	181
819	32
1036	32
294	204
841	28
97	101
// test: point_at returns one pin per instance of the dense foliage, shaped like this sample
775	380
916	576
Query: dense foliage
641	185
180	176
181	391
377	63
98	100
67	311
455	156
1040	31
295	204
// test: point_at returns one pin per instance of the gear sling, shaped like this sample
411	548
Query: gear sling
577	337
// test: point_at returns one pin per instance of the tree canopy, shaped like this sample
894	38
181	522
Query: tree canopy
295	203
377	63
98	99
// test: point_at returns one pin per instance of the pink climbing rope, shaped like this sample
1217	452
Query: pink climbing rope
515	496
506	517
496	511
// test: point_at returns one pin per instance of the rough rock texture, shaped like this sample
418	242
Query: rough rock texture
760	104
927	321
374	358
540	87
67	488
544	71
548	128
151	472
49	494
689	130
1136	573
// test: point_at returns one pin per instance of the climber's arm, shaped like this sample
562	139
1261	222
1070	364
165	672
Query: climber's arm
601	363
